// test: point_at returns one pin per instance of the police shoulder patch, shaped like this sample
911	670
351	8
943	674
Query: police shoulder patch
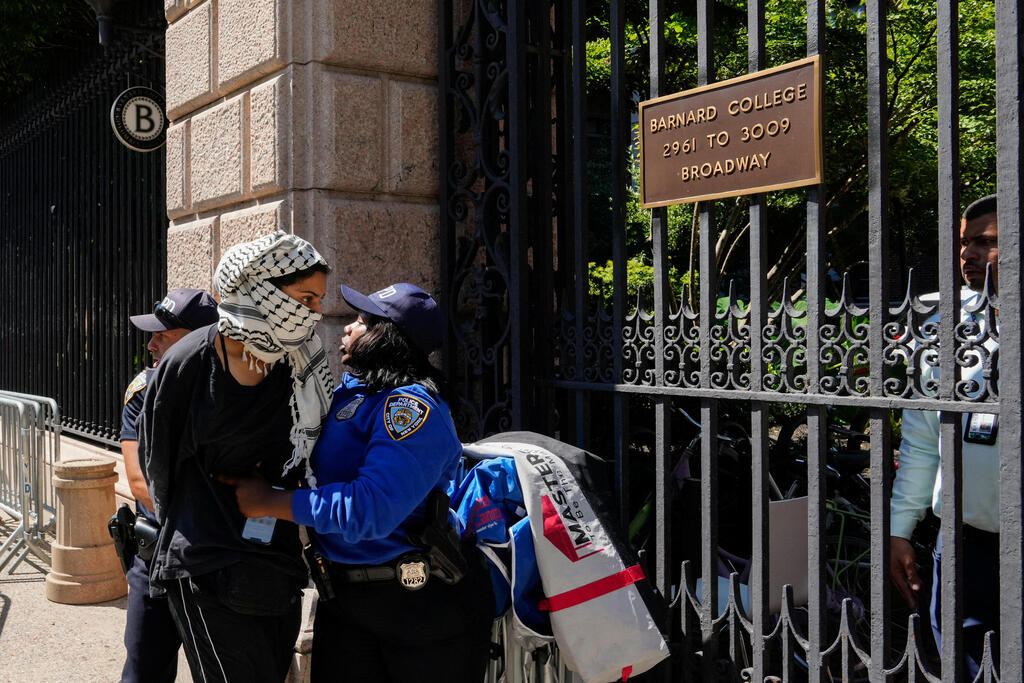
403	415
137	385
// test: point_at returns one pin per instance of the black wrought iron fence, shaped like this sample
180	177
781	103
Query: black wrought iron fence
82	232
689	383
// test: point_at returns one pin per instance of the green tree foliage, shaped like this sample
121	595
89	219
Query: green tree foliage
35	37
911	125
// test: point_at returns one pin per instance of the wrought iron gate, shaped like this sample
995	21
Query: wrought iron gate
535	344
82	231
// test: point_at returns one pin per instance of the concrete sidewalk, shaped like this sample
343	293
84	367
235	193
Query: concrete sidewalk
48	642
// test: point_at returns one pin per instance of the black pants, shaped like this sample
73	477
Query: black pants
980	586
151	639
379	631
223	644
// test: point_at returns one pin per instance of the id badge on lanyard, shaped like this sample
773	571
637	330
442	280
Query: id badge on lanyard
981	428
259	530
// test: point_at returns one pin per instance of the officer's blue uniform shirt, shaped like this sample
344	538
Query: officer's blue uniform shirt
134	395
377	458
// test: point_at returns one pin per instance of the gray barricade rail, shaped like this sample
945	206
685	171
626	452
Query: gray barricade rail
519	663
29	447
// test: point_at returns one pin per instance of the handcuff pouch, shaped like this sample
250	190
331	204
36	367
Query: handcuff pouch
146	534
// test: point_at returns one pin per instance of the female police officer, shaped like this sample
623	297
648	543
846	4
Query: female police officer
388	446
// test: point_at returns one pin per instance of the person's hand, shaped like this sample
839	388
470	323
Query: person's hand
251	492
903	569
256	498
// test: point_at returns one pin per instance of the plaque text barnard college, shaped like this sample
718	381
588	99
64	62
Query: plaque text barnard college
750	134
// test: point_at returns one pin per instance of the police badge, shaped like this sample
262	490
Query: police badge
412	571
349	409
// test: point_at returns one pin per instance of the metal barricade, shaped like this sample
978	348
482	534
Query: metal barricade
29	447
519	664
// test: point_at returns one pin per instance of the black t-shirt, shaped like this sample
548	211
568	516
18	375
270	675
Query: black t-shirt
198	422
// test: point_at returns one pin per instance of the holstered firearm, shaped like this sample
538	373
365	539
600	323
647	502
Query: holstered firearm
122	529
440	540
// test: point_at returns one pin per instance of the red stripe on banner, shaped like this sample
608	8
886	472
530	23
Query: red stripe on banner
626	671
594	589
555	531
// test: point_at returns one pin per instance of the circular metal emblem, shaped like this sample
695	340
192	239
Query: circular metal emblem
137	117
413	573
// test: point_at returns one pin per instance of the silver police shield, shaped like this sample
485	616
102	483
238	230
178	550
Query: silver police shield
413	574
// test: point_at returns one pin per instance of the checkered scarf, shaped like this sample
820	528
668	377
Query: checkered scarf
271	325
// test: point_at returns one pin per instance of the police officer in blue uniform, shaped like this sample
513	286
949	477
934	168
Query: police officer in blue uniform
405	603
150	639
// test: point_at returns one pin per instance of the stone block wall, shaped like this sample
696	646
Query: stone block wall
318	117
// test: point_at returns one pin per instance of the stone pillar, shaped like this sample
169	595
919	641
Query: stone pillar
318	117
84	567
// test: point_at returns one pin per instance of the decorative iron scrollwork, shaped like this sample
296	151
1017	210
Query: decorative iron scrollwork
912	338
477	206
783	338
977	347
844	338
682	345
910	346
909	339
730	345
638	348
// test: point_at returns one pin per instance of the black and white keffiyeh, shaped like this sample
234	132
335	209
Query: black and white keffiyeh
271	325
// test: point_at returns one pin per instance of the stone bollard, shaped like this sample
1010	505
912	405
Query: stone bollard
84	568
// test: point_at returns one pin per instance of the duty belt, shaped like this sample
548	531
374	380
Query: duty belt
410	570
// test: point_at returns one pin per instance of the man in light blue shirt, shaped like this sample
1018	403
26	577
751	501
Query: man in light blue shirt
918	482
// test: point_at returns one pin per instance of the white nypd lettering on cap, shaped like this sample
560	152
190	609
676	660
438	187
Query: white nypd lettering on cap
168	304
387	292
403	415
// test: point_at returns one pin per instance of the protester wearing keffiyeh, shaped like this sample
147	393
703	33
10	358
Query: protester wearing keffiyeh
271	325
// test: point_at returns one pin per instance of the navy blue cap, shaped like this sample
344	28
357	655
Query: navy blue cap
187	308
413	310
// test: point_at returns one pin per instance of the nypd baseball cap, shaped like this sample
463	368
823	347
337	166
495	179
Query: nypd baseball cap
187	308
414	311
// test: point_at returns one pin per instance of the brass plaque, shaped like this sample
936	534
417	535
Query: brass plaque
750	134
